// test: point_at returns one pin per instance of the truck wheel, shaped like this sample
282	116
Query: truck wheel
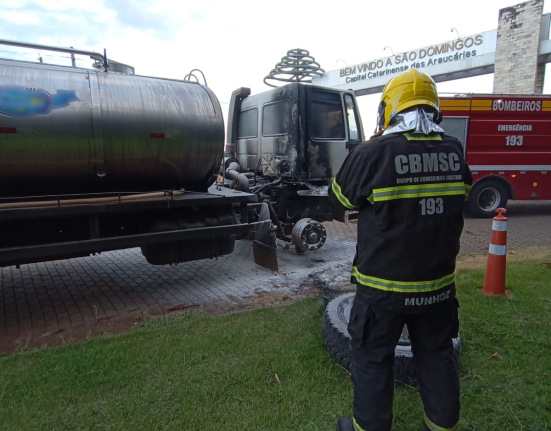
487	196
337	341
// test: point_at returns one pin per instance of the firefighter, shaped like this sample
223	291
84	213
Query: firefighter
409	183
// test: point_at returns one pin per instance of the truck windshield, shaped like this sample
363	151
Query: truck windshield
248	124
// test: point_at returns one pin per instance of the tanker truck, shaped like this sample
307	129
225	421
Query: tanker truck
98	159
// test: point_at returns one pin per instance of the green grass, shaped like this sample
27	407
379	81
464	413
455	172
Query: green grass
268	370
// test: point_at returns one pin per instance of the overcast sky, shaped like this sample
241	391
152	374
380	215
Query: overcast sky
237	42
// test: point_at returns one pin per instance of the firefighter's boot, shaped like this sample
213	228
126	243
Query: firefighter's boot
345	424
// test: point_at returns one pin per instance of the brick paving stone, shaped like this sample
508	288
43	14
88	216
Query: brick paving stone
76	291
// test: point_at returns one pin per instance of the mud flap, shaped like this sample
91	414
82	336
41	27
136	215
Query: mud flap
264	244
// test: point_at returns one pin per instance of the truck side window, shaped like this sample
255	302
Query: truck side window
248	123
327	116
275	118
354	134
456	127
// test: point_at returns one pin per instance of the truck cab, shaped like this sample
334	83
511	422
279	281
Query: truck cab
289	143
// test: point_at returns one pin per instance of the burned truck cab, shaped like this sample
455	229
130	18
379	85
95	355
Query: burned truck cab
286	145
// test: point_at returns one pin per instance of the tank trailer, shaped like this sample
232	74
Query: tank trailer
101	159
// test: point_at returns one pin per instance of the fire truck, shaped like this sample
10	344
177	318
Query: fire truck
507	143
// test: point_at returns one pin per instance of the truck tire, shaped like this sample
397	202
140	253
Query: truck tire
337	341
485	197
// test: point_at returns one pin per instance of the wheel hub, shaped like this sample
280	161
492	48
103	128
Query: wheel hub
308	235
488	199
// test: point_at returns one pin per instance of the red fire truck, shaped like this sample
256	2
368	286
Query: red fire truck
507	141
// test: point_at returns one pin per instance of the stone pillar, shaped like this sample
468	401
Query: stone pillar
518	39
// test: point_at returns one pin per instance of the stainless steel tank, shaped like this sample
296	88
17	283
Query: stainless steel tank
66	130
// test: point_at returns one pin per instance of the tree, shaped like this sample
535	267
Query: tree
297	66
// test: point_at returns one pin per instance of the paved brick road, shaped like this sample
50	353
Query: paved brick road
47	297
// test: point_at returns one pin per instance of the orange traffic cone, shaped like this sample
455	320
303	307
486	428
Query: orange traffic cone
494	280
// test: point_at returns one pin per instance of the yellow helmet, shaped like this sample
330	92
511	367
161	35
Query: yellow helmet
408	89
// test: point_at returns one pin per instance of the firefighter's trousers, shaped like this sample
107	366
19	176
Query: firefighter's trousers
375	333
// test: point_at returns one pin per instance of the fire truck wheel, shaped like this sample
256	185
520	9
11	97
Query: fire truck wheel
487	196
337	341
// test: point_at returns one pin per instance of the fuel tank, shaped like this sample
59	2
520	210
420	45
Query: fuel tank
65	130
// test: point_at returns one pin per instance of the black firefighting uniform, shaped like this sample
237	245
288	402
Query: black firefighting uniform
409	190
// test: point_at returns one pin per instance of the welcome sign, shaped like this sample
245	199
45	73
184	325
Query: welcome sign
466	56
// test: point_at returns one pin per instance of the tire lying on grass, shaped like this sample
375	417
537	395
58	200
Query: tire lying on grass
337	341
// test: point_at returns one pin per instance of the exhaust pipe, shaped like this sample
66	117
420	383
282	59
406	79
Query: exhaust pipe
232	172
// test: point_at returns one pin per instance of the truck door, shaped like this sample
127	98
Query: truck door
354	124
274	144
329	132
